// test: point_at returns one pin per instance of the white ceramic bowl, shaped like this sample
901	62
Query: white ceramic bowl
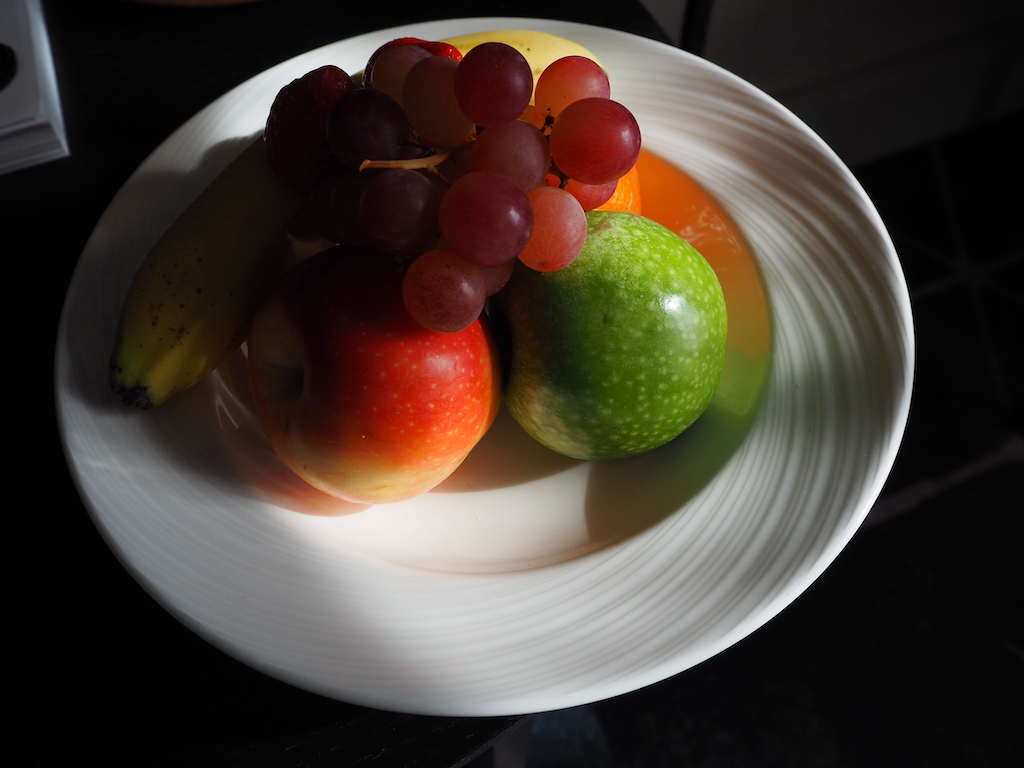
527	582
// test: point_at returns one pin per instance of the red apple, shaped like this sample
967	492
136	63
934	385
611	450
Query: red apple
355	396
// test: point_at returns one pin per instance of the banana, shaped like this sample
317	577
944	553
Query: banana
190	301
538	48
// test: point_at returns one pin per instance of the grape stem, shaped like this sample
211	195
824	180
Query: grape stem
427	163
430	162
556	171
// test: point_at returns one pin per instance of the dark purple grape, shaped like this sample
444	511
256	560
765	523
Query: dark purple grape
398	211
366	125
493	84
334	204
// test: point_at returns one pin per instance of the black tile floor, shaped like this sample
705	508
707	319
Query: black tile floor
909	650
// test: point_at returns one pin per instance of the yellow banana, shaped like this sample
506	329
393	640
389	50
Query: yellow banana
190	301
538	48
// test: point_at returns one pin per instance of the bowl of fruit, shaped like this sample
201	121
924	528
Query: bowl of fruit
484	366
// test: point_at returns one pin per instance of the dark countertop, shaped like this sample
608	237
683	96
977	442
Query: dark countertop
907	652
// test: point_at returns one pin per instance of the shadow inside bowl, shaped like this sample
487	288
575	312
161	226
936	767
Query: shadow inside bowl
627	496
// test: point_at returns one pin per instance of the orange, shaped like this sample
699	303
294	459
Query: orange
626	196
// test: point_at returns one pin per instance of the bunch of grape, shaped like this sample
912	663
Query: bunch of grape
442	161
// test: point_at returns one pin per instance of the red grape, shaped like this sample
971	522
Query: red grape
591	196
495	278
392	67
567	80
559	230
595	141
517	149
429	101
433	47
486	218
442	291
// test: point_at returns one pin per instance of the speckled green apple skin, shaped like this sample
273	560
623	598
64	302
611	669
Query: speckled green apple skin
622	350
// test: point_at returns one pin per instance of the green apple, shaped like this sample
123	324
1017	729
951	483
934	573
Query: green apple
622	350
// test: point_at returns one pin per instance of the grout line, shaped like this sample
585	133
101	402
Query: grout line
888	507
944	186
974	275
